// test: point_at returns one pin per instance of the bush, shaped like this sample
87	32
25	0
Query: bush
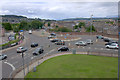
89	29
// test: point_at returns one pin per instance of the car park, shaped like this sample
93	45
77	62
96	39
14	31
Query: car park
63	48
55	40
112	46
99	37
34	44
3	56
38	51
81	43
89	41
21	49
60	42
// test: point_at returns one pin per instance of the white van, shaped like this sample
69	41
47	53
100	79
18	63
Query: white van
30	31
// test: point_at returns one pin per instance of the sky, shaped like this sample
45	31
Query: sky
59	9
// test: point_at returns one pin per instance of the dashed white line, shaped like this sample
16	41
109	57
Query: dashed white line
10	65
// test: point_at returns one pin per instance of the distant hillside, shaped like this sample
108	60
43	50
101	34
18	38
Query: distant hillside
18	19
74	19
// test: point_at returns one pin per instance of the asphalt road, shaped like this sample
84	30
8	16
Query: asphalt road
14	60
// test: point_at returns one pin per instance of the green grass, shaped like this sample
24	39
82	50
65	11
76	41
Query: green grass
77	66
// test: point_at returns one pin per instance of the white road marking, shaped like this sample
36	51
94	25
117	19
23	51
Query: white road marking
10	65
83	47
107	49
101	48
89	47
95	48
116	50
15	62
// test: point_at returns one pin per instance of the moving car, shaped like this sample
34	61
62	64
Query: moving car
99	37
60	42
30	31
21	49
89	41
55	40
112	46
3	56
34	44
38	51
63	48
81	43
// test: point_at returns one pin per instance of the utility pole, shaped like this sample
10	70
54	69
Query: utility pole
23	64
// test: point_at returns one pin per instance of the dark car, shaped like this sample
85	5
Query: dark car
99	37
106	39
34	44
53	34
60	42
64	48
55	40
3	56
109	43
38	51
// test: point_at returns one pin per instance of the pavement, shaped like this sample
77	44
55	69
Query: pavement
15	61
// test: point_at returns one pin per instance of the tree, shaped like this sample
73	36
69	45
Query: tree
57	26
7	26
81	24
76	27
90	29
23	25
36	24
49	24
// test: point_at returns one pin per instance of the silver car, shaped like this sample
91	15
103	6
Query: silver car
81	43
21	49
89	41
3	56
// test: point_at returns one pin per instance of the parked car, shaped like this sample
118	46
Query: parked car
107	39
112	46
21	49
49	37
63	48
81	43
109	43
55	40
38	51
60	42
13	44
3	56
53	34
34	44
99	37
89	41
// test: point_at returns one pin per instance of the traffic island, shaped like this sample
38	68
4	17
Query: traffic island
68	65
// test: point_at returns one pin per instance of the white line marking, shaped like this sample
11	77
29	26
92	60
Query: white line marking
10	65
101	48
83	47
107	49
95	48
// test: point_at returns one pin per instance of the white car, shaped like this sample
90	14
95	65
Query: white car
81	43
21	49
30	31
3	56
112	46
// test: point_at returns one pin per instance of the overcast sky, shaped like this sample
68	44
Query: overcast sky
55	9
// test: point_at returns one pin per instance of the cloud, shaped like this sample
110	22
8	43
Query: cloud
60	10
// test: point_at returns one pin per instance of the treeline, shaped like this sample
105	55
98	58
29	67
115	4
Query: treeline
24	25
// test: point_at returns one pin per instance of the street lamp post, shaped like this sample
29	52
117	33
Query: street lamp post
23	64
